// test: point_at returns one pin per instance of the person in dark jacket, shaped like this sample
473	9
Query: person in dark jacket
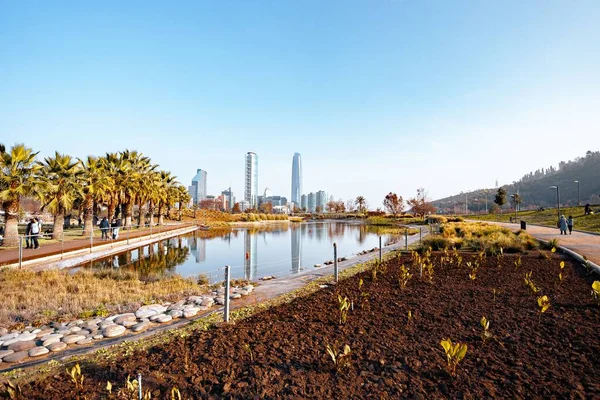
104	225
570	224
35	232
28	238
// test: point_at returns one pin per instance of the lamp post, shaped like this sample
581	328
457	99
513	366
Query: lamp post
557	199
578	197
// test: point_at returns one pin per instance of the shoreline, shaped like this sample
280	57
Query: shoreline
242	224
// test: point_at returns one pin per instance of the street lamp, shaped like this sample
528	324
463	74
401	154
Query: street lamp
578	197
557	199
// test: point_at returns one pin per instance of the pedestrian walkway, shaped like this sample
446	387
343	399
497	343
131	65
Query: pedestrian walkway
582	243
11	256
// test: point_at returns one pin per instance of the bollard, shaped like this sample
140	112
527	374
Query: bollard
335	262
140	386
20	251
379	249
406	239
227	279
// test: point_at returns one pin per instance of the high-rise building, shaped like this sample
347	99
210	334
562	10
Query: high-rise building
251	180
304	202
229	198
198	188
296	179
321	201
312	202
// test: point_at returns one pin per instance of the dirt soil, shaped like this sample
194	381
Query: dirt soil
281	353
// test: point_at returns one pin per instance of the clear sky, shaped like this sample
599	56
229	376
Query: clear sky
377	96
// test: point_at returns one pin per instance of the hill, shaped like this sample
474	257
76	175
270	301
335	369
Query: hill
534	188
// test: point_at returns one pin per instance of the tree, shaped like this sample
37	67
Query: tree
331	206
393	203
361	202
95	183
318	209
339	206
500	197
18	177
236	208
420	205
266	208
350	205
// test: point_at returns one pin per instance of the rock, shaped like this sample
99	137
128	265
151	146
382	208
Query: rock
21	346
125	317
267	278
72	339
142	326
318	265
98	336
54	347
10	341
176	313
195	299
164	318
75	329
190	312
36	331
51	335
51	340
177	305
202	308
75	323
244	292
3	331
16	357
220	300
113	331
38	351
111	318
44	332
106	324
129	324
145	313
5	353
85	341
24	337
235	296
84	332
64	331
155	317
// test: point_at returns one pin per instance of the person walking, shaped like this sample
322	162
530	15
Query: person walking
35	232
562	225
104	225
570	225
28	238
116	224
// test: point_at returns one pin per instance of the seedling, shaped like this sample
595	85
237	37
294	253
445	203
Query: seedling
596	292
410	316
360	284
544	304
428	268
494	291
530	284
405	276
343	306
518	262
341	360
76	376
175	394
455	352
560	275
109	387
13	392
248	350
485	334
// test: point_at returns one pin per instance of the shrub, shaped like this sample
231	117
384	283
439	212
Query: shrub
436	219
436	242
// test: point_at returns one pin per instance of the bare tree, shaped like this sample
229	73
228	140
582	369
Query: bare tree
393	203
420	205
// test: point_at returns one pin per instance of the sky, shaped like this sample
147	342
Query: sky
377	96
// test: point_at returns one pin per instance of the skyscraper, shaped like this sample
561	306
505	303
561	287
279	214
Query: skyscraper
198	188
296	179
251	180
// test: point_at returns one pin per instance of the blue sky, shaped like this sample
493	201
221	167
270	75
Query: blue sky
377	96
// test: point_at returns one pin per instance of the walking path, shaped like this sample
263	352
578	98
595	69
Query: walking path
55	251
581	243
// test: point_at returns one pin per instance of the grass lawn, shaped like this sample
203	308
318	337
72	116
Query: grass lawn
549	217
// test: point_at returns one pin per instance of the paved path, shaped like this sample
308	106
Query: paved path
584	244
11	256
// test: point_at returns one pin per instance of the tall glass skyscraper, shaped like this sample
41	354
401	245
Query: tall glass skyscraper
198	188
251	180
296	179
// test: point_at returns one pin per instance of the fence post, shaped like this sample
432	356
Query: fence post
91	239
62	245
150	230
140	385
128	230
227	279
20	251
335	262
379	249
406	239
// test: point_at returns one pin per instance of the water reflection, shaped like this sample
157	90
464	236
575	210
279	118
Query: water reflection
284	249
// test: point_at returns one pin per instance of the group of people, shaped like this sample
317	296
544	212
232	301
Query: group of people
32	232
564	224
112	228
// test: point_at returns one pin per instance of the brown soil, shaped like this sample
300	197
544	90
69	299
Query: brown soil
280	353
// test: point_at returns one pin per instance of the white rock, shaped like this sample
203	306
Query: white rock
146	313
51	340
113	331
51	335
128	324
190	312
176	313
163	318
3	331
36	331
142	326
72	339
202	308
5	353
106	324
57	346
44	332
75	329
85	341
125	317
38	351
235	296
98	336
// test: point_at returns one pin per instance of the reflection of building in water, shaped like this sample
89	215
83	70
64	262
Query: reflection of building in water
198	248
296	234
250	256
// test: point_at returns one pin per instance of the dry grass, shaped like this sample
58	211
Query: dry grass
41	297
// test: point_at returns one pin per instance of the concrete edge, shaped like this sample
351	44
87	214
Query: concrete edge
575	255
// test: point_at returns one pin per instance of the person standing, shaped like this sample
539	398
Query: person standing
562	225
104	225
35	232
116	224
570	225
28	238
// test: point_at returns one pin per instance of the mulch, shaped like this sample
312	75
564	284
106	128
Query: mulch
281	352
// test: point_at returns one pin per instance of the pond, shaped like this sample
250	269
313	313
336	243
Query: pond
252	253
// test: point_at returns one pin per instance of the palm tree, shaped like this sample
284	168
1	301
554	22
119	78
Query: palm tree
116	171
95	184
138	165
18	177
146	190
361	203
60	187
168	186
183	197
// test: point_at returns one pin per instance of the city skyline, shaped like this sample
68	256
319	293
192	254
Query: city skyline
296	179
376	96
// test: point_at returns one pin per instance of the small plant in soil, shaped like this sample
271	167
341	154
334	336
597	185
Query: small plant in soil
530	284
455	352
596	292
248	349
405	276
76	376
473	267
341	360
12	391
343	306
543	304
485	324
518	262
494	291
560	274
428	271
175	394
109	387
